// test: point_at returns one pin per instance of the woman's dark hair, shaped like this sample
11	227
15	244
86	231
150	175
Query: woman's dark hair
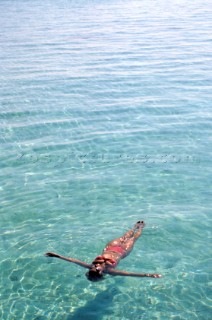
94	275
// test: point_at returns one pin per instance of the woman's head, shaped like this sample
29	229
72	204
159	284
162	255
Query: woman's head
95	273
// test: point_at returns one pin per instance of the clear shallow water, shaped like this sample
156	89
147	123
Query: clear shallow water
105	120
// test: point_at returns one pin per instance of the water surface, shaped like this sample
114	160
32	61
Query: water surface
105	119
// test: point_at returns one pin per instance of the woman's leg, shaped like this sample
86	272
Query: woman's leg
129	243
128	239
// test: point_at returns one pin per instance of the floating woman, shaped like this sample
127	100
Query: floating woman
114	251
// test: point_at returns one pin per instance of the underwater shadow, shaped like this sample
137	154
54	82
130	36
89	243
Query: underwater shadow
96	308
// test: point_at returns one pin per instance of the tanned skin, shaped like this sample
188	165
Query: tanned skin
114	251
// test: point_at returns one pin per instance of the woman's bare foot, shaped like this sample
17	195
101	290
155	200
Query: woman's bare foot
139	225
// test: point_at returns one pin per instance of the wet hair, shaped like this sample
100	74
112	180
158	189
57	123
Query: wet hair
94	275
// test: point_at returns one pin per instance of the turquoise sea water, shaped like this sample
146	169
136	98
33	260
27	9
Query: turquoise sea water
105	119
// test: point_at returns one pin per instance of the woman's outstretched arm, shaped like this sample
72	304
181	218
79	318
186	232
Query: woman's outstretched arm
76	261
132	274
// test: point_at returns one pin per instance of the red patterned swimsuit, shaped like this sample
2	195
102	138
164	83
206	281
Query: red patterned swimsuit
110	261
117	249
